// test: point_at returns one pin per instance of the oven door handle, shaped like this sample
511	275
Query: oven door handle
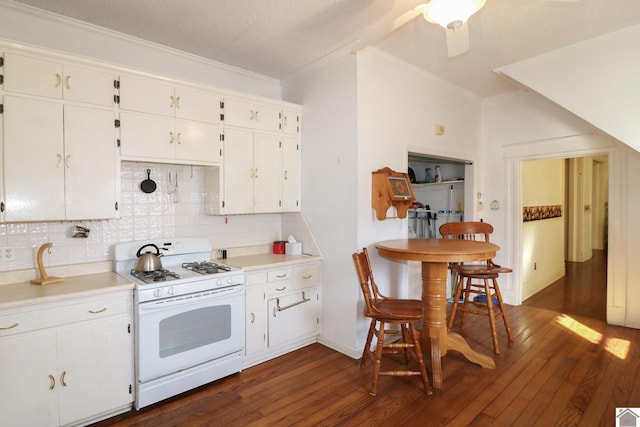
189	299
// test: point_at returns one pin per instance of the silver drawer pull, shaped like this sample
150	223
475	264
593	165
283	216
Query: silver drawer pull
281	289
98	311
53	382
304	299
9	327
279	276
308	276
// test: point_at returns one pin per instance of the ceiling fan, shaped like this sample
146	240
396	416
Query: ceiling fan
452	15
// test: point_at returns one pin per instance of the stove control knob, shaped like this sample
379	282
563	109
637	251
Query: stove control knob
171	291
218	282
157	292
230	280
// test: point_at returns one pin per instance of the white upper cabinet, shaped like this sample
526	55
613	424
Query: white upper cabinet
252	115
59	161
155	96
291	122
43	77
251	172
163	122
59	140
291	174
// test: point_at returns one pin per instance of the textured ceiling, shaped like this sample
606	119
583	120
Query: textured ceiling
278	38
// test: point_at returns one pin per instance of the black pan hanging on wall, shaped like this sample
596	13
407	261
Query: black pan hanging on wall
148	185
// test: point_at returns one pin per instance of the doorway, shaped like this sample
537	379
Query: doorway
565	197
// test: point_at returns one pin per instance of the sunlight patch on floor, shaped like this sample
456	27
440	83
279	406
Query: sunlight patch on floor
616	346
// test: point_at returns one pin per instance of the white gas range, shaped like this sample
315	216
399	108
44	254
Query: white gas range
189	316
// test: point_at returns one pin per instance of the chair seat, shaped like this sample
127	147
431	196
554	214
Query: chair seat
466	269
394	309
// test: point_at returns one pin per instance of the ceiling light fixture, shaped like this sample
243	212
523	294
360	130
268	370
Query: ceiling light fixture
451	14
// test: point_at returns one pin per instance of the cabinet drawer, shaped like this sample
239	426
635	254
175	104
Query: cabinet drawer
26	321
307	276
251	279
279	287
282	274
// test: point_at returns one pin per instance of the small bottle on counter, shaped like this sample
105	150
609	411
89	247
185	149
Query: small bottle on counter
438	177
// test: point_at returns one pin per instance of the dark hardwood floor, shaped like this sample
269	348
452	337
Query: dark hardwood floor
566	367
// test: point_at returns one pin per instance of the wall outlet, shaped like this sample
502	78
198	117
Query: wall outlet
7	253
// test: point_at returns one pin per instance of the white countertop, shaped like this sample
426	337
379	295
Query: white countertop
24	293
267	260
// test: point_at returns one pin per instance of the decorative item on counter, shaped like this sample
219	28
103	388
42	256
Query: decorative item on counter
293	247
438	177
148	185
80	231
428	177
279	247
44	279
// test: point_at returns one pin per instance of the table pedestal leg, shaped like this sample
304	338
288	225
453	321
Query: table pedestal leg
435	339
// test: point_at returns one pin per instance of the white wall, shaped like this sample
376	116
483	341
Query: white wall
26	25
598	80
329	189
395	106
543	240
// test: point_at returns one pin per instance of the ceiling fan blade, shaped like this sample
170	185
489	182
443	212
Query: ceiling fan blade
457	40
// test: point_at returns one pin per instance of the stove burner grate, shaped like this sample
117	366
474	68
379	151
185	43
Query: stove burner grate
206	267
154	276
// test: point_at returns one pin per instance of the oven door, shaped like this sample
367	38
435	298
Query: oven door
177	333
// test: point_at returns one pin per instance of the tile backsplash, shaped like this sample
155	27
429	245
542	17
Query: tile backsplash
176	208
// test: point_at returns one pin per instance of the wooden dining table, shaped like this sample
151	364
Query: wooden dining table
435	256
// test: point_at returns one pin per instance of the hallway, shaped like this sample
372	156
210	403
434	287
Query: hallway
581	292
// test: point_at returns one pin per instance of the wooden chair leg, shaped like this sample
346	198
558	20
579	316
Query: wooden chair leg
456	298
465	304
367	346
406	339
492	316
505	318
378	358
417	347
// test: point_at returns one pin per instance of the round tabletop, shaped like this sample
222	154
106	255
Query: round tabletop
437	250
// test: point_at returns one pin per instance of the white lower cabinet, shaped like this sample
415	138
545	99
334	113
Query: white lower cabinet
282	309
66	364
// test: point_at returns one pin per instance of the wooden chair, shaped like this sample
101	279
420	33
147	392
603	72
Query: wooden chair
389	311
477	283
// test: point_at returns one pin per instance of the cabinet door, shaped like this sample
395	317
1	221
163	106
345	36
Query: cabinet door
95	362
291	168
293	316
256	321
238	171
197	142
199	105
90	163
32	76
28	395
290	122
33	160
146	95
251	115
146	137
88	85
267	165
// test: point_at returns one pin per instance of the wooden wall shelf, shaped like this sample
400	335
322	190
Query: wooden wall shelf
390	188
